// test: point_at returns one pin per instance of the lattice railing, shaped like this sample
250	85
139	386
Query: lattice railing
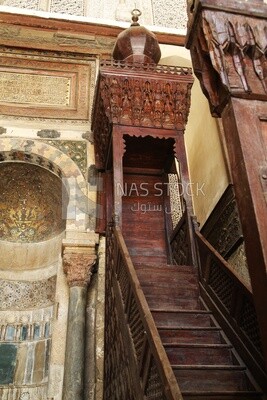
136	365
182	241
230	294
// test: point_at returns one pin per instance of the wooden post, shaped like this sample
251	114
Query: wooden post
233	79
117	142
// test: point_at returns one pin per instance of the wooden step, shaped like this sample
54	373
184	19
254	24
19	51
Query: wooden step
165	268
139	258
138	243
173	293
142	204
142	233
199	354
181	318
146	252
166	302
211	379
241	395
130	217
209	335
167	279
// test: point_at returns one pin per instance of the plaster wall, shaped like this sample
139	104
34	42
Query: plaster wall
207	167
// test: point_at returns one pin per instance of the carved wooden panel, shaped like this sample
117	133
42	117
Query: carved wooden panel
35	88
229	52
139	96
223	227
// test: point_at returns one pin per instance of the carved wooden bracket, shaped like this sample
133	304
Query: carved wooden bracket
139	95
228	51
78	268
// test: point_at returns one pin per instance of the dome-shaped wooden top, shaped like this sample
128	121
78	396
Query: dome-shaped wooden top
137	44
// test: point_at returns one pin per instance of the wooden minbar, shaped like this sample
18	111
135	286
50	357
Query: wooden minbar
136	99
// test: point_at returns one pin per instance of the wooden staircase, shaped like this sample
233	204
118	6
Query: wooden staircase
204	362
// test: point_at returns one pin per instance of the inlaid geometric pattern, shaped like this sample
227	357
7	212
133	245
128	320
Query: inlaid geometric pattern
17	295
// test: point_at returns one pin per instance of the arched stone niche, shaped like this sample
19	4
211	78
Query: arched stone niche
33	207
33	203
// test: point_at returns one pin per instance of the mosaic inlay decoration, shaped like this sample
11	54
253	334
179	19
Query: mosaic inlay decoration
31	208
19	295
76	150
34	89
16	155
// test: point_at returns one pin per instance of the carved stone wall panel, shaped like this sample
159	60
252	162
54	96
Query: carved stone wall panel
123	11
19	295
45	89
29	4
167	15
67	7
154	12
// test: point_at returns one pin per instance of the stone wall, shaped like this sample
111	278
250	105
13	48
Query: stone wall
45	106
159	13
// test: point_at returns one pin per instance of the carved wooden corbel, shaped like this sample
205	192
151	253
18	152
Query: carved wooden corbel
228	54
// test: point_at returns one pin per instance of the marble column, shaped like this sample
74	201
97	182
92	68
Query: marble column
78	268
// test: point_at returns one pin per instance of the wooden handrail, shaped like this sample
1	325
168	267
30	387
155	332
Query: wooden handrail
203	244
223	291
152	366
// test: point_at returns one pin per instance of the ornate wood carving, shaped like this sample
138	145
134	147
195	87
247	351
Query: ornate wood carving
139	95
223	228
102	128
33	87
229	54
228	44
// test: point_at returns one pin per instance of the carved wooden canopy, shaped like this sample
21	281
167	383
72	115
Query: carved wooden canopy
139	95
228	44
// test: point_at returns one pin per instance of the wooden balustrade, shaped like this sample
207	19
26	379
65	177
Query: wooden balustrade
182	241
136	365
223	291
232	300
